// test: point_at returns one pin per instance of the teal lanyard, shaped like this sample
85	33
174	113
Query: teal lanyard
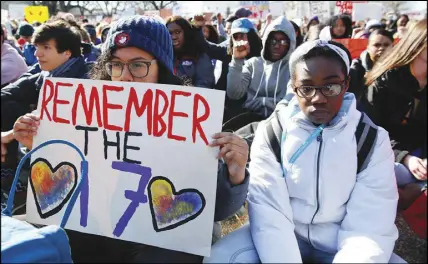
302	148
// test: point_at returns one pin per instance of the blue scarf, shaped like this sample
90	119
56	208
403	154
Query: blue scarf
60	71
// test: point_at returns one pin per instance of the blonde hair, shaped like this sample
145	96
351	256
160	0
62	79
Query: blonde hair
403	53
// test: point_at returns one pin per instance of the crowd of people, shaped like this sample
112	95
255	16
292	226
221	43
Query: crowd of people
315	201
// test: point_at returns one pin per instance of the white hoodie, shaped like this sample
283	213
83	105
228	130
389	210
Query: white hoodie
322	199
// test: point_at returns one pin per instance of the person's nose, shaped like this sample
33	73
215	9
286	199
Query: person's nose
126	75
38	53
318	98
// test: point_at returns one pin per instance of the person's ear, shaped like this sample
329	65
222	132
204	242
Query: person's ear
67	53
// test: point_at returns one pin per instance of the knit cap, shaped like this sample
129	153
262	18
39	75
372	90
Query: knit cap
143	32
26	30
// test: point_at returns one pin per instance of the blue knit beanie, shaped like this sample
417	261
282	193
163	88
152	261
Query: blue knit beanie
143	32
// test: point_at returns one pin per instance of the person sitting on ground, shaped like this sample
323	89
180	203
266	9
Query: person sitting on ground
338	27
396	99
297	212
262	79
138	60
11	40
28	49
192	65
401	27
210	34
312	22
380	41
92	33
13	65
59	54
299	37
371	26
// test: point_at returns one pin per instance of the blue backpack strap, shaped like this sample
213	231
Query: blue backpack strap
84	174
365	134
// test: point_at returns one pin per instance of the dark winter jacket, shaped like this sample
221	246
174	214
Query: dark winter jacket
395	102
359	68
23	94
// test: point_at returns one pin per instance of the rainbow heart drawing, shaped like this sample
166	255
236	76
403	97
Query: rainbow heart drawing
52	187
171	209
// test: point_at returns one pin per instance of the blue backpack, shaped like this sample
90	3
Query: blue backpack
22	242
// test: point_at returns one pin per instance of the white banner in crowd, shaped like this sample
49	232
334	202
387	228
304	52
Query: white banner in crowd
151	175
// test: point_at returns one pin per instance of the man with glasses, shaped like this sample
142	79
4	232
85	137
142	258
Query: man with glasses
310	198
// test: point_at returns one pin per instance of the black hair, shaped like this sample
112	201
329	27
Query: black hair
256	44
231	18
85	20
325	52
347	21
213	37
384	33
99	71
65	37
189	47
299	37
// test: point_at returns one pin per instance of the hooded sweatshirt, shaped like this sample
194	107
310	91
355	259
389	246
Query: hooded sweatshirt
322	199
263	82
13	65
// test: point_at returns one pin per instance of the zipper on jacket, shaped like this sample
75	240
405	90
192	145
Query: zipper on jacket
319	139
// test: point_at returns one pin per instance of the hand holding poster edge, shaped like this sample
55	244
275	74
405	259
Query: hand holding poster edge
52	93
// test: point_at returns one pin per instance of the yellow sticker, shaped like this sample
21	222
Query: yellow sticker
36	13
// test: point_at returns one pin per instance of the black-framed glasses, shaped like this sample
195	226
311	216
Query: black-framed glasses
329	90
138	69
281	42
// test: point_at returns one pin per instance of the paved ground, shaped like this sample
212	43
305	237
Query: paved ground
408	246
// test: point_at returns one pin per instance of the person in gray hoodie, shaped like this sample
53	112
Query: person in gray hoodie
263	79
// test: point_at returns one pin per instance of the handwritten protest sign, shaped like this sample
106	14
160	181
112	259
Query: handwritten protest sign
36	13
151	176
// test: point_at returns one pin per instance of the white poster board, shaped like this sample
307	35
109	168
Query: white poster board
16	11
363	11
320	9
151	176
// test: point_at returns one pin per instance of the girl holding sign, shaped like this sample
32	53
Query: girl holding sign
139	49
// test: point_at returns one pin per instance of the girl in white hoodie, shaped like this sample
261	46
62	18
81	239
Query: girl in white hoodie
313	205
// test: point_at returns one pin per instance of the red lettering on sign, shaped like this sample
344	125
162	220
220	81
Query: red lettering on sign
94	101
146	106
57	101
198	120
107	106
45	101
172	114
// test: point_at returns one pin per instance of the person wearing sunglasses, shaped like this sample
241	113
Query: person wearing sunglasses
140	49
311	203
262	80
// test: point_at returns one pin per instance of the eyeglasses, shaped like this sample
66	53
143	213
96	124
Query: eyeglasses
138	69
282	42
329	90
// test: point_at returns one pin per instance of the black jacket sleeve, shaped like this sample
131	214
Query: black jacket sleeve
214	51
356	85
380	95
23	91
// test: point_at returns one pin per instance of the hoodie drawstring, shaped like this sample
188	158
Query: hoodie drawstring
276	87
258	89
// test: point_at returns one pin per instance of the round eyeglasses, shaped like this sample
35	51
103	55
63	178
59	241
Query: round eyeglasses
138	69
